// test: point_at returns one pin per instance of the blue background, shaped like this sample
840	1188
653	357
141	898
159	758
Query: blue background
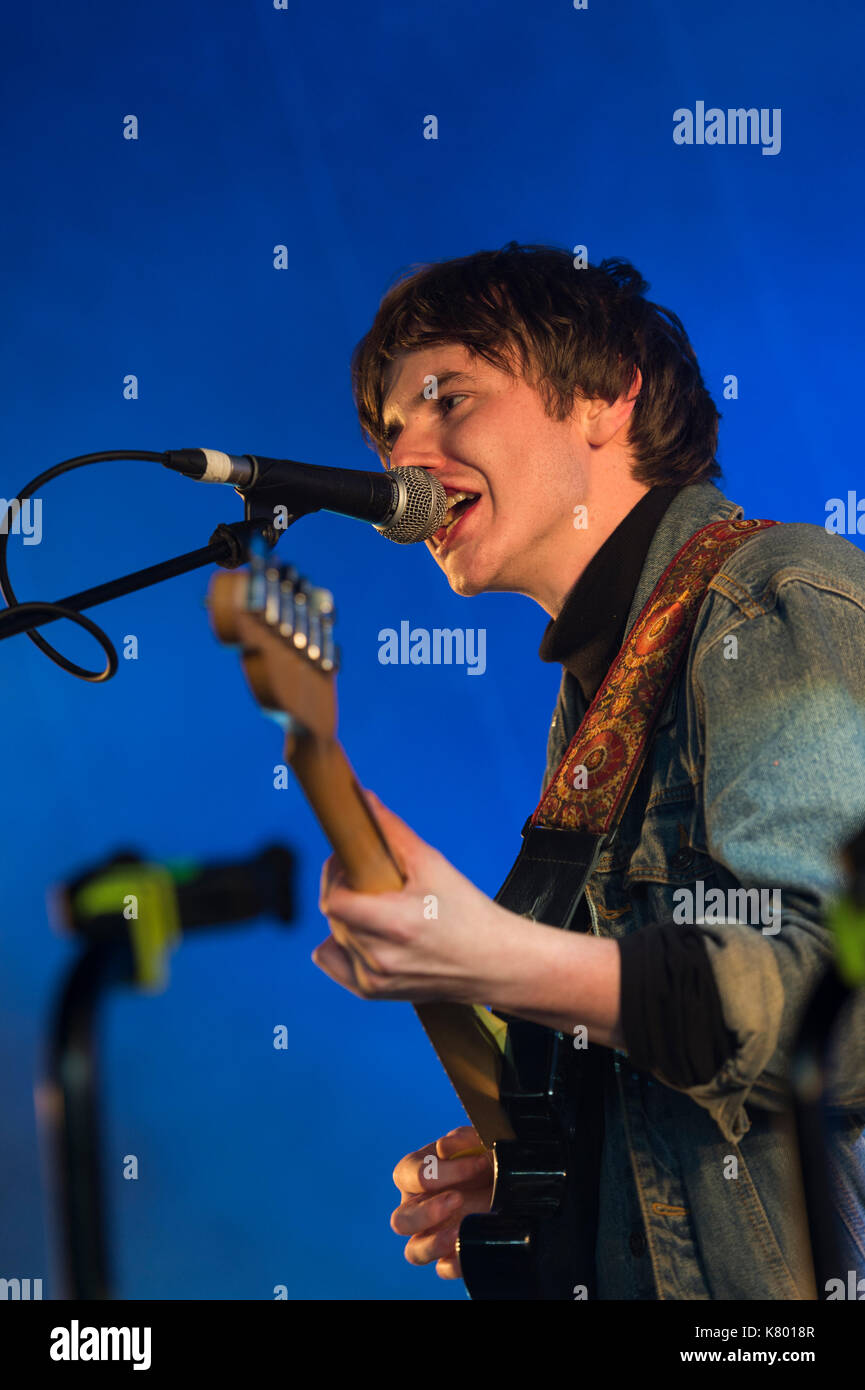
303	127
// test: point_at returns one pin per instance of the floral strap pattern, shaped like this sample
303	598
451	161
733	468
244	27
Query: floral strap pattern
597	774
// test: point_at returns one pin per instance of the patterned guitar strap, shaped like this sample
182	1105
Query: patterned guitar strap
582	805
613	739
588	793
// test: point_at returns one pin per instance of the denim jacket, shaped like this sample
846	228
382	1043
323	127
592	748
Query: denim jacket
755	778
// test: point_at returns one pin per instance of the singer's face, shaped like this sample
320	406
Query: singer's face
485	432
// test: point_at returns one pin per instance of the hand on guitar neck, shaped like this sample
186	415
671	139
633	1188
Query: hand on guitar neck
434	938
433	931
413	928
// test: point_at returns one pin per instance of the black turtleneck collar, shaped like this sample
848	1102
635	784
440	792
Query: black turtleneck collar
591	625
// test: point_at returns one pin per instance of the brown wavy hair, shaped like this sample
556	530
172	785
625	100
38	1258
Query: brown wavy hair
573	333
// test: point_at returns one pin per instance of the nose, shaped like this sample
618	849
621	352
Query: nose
416	446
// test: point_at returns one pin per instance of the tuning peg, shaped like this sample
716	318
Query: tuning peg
272	595
286	601
321	619
313	646
256	591
329	652
300	636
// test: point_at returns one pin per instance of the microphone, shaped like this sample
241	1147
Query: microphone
404	504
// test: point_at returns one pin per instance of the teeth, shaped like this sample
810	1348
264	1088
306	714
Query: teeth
453	498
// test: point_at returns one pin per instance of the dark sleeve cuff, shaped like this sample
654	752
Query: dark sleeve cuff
672	1019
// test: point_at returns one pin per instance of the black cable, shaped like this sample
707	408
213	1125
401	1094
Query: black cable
57	611
54	608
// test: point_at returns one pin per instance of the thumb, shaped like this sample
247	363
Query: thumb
402	840
387	819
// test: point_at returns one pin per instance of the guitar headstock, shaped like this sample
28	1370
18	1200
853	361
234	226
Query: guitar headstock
284	627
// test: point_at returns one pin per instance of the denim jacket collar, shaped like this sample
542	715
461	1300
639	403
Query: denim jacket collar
692	508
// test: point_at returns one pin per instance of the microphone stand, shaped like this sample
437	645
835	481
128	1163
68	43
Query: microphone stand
71	1096
228	547
68	1098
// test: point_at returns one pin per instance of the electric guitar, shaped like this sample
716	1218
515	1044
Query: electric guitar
519	1083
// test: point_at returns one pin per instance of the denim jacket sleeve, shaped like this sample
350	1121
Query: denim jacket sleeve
776	712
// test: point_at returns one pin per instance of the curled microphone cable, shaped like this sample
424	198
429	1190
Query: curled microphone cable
54	609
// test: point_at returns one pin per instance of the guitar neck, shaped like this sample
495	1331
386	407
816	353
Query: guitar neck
332	790
464	1037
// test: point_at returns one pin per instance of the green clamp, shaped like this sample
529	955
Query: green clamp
145	895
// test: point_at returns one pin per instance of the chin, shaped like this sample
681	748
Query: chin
469	581
465	587
470	575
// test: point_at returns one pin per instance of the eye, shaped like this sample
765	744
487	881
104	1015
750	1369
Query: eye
387	441
390	435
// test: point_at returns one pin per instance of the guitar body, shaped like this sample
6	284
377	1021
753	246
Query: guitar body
538	1239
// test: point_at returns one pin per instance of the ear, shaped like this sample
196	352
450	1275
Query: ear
604	419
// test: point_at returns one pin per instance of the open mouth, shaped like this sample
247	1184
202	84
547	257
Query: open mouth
459	503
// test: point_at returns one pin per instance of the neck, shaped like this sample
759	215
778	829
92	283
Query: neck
568	556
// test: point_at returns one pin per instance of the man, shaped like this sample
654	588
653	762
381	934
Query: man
567	418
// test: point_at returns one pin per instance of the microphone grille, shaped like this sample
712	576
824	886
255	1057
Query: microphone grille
421	509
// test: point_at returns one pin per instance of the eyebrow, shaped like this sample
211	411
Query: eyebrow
418	399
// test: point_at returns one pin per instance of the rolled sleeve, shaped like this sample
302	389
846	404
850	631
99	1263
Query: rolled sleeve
780	722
